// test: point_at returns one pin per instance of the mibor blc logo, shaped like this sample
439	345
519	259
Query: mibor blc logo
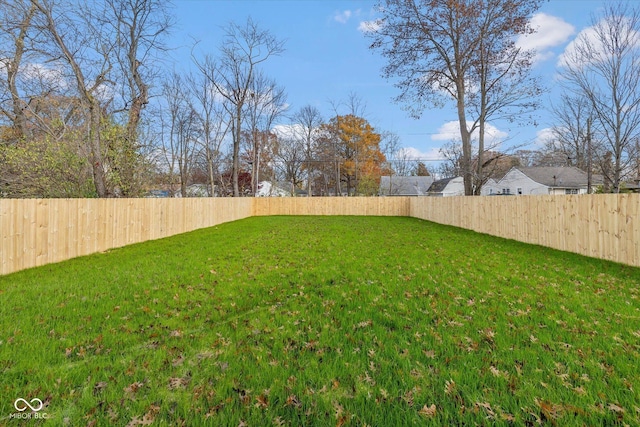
35	405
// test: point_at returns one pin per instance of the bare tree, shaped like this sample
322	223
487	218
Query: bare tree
452	153
181	133
573	117
137	28
290	160
603	66
106	49
266	103
214	120
400	160
72	37
306	125
242	50
462	50
16	17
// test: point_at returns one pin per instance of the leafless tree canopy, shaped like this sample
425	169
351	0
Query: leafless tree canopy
90	104
461	51
603	68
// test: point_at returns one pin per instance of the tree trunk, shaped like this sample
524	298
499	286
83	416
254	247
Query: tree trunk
465	136
95	150
12	66
236	152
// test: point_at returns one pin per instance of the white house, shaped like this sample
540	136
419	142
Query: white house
268	189
541	180
490	187
447	187
405	185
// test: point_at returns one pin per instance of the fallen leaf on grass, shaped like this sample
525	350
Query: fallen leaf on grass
342	421
339	410
243	395
428	411
178	361
551	411
449	387
615	408
293	400
487	408
136	421
175	383
498	373
133	387
363	324
429	353
262	401
409	396
99	387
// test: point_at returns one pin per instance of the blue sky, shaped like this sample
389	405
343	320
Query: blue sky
327	58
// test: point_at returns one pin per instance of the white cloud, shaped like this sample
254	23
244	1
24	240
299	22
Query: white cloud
411	153
450	131
551	31
42	73
287	131
342	16
592	37
570	54
544	136
370	26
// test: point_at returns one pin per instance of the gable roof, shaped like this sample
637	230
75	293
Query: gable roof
439	185
405	185
565	176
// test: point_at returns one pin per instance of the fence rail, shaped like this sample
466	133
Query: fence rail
40	231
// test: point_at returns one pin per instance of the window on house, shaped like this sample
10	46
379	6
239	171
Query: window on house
519	190
506	191
571	191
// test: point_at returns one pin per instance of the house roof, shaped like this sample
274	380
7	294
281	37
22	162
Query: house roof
565	176
439	185
405	185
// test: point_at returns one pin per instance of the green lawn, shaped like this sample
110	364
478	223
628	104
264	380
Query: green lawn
324	321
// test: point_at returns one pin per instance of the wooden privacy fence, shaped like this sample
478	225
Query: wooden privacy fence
40	231
603	226
376	206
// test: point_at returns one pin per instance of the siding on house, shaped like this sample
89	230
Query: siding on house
516	182
542	180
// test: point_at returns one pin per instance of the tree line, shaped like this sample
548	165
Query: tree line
464	53
89	110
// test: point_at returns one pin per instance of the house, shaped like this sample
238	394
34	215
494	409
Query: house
542	180
269	189
197	190
490	187
405	185
447	187
631	186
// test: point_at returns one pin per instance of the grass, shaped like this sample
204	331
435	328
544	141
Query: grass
324	321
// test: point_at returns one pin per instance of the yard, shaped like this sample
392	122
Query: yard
323	321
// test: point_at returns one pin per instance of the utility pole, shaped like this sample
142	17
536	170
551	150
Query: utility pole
589	155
